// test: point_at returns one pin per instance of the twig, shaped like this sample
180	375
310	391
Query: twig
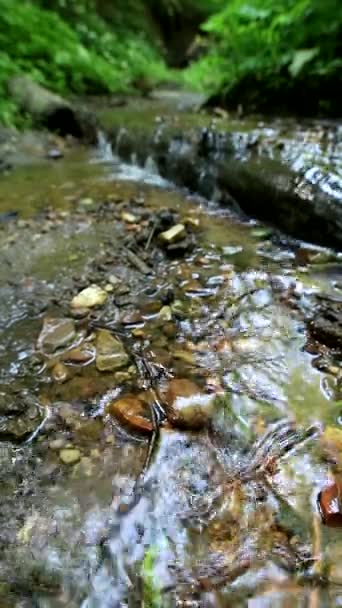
150	236
138	262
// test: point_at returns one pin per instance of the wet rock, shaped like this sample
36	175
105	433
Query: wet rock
134	318
70	455
131	412
55	334
110	353
79	313
69	416
228	250
332	444
90	297
329	503
165	314
60	373
174	234
57	444
129	218
113	280
19	417
11	404
193	222
186	405
150	309
89	430
325	325
81	355
170	329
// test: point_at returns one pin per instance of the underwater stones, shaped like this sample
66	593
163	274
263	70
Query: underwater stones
70	455
329	502
129	218
81	355
18	427
332	445
60	373
325	326
55	334
186	405
110	352
89	297
132	412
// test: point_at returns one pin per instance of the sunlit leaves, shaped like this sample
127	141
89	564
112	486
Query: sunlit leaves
300	58
266	41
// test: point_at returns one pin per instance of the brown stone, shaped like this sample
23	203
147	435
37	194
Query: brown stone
131	412
187	406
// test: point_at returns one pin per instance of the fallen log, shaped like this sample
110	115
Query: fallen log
49	110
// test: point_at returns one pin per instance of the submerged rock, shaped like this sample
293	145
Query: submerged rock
110	352
82	355
55	334
132	412
70	455
89	297
19	417
186	405
329	502
332	445
325	324
60	373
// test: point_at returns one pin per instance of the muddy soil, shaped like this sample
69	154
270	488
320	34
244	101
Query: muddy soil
167	418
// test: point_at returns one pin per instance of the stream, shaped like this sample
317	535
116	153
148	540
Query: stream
169	418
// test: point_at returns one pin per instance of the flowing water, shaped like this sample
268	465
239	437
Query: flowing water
221	516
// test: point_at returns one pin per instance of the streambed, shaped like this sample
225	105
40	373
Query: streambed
222	513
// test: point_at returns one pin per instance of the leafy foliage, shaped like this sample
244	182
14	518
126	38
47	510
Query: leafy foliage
256	52
74	50
271	47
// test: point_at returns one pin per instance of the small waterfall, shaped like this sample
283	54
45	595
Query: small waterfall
104	148
132	171
121	133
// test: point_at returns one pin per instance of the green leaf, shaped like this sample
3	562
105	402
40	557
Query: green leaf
300	59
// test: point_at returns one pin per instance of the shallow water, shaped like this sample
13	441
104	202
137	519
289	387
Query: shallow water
211	523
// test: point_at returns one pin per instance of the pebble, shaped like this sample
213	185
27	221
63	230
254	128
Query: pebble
129	218
113	279
57	444
131	411
81	355
187	406
60	373
55	334
175	233
165	314
329	504
70	455
110	352
231	249
89	297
